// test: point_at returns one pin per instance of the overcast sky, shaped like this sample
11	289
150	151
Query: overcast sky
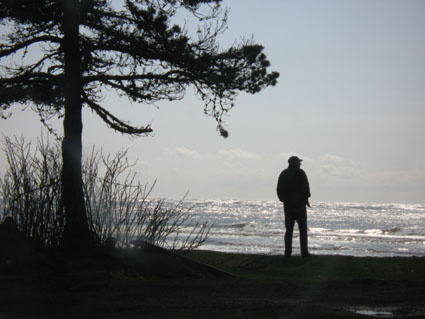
350	101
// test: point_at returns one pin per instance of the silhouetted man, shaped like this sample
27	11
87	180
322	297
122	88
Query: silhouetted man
293	190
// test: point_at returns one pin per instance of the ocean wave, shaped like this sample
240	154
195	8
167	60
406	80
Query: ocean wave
236	225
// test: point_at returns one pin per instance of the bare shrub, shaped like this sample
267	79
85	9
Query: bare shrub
119	210
31	189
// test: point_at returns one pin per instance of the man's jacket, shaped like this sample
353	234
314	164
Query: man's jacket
293	188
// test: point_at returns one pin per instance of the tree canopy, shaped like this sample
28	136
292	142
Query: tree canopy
136	50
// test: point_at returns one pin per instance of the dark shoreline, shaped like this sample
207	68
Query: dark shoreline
258	286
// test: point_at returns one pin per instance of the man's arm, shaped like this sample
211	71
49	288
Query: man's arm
306	188
280	190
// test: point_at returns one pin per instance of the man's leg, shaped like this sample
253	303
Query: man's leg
289	225
302	226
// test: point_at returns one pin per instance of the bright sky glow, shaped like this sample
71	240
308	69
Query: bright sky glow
350	101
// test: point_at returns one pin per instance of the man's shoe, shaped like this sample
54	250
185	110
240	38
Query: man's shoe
306	255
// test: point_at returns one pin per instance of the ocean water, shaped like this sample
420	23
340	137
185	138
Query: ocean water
354	229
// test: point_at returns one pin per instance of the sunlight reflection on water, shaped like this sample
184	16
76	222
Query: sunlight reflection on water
334	228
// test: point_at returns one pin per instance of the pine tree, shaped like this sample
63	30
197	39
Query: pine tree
61	55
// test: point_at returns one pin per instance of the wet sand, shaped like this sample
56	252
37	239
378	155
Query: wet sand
152	285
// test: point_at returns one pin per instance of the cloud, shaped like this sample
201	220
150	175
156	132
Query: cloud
236	155
183	151
398	178
333	158
338	166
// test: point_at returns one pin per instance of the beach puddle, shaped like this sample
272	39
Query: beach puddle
376	313
388	312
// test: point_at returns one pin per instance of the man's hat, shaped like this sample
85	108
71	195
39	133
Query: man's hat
294	160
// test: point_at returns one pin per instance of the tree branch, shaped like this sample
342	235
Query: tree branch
114	122
9	49
105	78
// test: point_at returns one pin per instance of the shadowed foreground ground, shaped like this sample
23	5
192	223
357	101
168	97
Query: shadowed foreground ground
167	286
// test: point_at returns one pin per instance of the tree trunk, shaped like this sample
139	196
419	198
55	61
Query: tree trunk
76	234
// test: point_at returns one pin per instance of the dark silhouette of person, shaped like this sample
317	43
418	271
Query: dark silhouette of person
293	190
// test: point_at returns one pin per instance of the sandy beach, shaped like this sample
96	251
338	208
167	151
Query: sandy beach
152	285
